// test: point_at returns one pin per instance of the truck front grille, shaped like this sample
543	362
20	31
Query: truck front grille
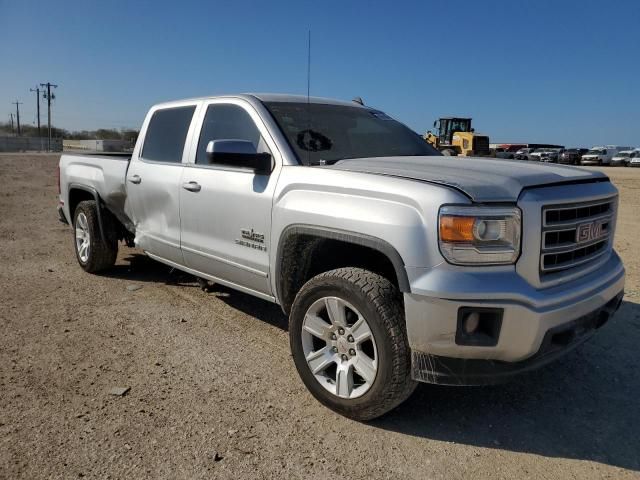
575	234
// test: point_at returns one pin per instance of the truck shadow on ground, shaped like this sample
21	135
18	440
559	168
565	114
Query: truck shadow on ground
585	406
138	268
142	269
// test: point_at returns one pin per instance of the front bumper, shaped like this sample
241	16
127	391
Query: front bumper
531	319
569	161
590	161
557	341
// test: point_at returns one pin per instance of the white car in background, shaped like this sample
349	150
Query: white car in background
622	159
536	155
634	161
601	155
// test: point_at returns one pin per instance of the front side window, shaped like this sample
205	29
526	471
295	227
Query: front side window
228	122
166	134
322	133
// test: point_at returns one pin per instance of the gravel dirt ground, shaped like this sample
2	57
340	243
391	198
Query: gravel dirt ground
214	393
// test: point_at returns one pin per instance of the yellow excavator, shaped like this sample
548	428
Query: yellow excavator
454	136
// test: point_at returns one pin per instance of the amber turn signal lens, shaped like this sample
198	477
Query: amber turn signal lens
456	229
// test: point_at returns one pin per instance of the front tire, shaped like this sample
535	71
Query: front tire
349	342
92	252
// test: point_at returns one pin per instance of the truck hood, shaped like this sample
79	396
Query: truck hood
481	179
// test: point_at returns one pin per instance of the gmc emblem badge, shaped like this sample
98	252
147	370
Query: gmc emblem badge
587	232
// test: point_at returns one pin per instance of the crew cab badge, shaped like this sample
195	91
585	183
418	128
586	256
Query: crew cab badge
251	239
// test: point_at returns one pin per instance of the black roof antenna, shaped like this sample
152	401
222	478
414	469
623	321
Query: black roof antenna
358	100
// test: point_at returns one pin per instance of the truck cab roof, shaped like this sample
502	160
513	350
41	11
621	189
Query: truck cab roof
268	97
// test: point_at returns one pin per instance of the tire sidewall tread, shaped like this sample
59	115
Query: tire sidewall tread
380	302
101	255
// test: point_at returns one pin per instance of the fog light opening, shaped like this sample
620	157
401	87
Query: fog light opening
479	326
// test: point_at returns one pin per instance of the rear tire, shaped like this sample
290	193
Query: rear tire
92	252
449	153
348	326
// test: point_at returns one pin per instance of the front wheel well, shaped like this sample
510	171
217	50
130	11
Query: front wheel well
307	253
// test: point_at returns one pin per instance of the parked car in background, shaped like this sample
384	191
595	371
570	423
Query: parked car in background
544	154
508	151
622	159
498	152
634	161
572	156
549	156
502	153
553	155
601	155
534	155
523	153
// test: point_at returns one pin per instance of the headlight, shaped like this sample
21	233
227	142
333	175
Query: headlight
479	235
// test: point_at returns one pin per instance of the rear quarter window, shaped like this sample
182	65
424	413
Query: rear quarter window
167	133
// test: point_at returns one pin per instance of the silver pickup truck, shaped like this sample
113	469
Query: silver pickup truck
394	264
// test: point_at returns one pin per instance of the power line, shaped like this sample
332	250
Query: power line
17	104
37	90
49	96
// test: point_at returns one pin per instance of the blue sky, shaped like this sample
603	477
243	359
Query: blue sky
538	71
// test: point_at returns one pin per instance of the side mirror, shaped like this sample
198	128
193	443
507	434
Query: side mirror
434	123
238	153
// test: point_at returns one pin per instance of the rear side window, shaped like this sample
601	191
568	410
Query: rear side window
166	134
228	122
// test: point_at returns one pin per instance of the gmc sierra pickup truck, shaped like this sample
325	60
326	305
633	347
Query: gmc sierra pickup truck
393	263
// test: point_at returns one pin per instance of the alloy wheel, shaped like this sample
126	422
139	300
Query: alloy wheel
339	347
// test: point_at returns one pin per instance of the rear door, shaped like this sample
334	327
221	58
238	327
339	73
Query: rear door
226	223
153	180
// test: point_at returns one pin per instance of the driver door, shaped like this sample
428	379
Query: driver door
225	210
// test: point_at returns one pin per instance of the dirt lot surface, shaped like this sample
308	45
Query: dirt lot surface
214	393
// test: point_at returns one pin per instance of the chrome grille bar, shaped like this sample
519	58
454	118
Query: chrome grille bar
575	234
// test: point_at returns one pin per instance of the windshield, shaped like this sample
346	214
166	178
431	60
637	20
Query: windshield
320	133
595	151
624	154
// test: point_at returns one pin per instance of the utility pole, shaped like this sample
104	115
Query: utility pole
37	90
11	117
17	103
49	96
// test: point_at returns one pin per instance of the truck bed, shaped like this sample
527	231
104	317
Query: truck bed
104	172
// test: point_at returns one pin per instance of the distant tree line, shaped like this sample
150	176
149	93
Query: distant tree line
126	134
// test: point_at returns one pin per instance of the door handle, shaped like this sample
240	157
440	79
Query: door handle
135	179
192	186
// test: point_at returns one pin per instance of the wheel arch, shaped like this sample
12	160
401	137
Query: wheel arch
296	259
78	193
